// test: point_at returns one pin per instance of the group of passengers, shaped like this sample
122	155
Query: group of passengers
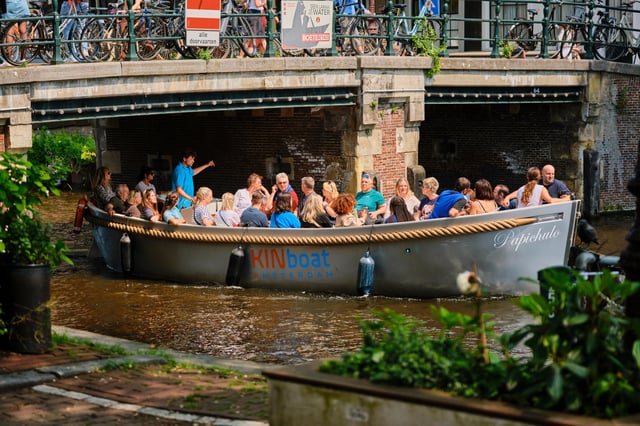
281	207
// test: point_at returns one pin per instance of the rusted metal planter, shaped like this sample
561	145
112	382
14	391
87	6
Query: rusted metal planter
301	395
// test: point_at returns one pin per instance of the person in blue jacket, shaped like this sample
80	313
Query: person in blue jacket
452	203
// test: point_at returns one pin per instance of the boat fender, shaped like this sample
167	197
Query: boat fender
236	261
77	223
125	253
365	274
584	259
609	261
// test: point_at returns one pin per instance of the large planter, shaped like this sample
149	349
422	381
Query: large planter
301	395
24	294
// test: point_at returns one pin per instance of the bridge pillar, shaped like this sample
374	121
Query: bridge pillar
15	118
385	140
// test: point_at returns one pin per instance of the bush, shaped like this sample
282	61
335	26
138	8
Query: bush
578	360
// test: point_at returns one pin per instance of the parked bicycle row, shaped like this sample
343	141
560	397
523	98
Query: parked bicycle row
155	29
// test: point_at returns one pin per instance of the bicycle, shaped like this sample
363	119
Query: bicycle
423	24
20	47
612	41
70	29
108	38
522	32
363	32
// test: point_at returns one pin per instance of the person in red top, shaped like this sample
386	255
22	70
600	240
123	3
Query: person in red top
281	186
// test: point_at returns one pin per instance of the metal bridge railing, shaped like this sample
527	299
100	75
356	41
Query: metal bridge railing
548	28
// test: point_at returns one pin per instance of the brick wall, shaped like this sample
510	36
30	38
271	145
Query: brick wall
390	165
238	142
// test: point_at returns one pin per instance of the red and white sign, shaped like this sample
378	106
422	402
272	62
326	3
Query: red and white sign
202	22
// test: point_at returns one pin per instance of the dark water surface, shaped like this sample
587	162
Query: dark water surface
263	326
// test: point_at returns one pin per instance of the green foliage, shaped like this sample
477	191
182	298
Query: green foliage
426	41
506	49
24	238
63	152
622	99
578	360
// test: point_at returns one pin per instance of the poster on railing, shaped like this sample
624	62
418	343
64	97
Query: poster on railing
202	22
306	24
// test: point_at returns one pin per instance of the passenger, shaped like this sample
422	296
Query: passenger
227	216
556	188
150	206
307	184
253	216
402	190
344	207
533	193
243	197
122	192
484	201
201	214
371	200
282	216
182	179
105	197
430	187
500	192
452	203
171	213
257	26
330	193
134	201
145	180
281	187
399	211
313	214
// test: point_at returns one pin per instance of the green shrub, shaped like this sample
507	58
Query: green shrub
578	360
62	152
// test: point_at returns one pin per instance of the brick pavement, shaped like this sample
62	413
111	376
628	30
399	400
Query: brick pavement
76	384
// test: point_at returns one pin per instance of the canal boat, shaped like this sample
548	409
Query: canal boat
413	259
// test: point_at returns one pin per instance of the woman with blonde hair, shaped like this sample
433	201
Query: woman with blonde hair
313	214
227	216
134	201
105	196
344	205
150	206
430	187
171	213
403	191
201	214
329	193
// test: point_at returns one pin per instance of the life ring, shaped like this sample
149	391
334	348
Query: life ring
77	223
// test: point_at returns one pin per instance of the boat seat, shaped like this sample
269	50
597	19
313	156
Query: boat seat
187	214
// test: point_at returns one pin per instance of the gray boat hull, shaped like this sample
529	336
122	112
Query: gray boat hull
416	260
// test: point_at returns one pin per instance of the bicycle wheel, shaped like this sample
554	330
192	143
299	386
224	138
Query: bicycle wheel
27	50
567	41
151	30
240	28
74	46
95	40
600	42
364	35
46	50
618	45
522	34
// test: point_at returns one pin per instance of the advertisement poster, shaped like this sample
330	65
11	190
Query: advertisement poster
306	24
202	22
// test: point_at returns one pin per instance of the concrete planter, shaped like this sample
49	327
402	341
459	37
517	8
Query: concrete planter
301	395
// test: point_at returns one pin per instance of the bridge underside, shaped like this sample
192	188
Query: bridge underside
121	106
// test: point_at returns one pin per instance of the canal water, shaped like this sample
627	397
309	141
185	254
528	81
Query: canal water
262	326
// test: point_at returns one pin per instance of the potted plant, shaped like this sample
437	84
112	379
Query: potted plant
27	254
582	365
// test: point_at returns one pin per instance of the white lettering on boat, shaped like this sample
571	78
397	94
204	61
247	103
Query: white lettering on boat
284	263
516	239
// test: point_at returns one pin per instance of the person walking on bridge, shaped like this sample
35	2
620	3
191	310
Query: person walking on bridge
182	179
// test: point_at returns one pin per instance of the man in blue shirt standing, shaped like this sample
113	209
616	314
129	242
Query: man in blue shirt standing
182	179
370	199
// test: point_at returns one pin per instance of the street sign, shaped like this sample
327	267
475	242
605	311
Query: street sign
307	24
202	22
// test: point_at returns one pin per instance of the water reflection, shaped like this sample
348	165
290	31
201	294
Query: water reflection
263	326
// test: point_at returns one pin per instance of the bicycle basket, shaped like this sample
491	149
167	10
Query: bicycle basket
578	12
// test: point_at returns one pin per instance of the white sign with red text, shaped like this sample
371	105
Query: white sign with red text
202	22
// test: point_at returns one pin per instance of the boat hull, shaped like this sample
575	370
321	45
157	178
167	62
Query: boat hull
417	259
